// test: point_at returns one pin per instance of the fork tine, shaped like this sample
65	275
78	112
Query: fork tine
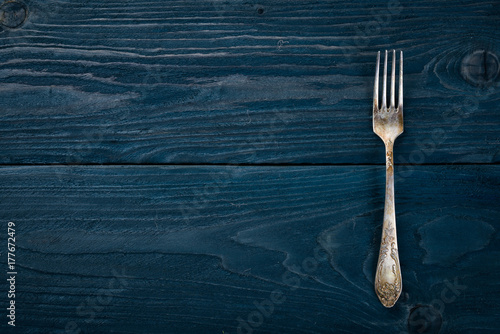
384	89
400	95
393	78
375	85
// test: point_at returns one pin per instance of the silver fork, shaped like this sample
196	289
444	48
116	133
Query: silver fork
388	125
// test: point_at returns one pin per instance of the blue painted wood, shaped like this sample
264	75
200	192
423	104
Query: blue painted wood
194	249
245	81
246	249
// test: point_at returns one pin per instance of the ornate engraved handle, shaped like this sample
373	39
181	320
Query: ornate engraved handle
388	283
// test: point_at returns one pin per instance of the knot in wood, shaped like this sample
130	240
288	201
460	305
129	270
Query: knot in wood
13	14
424	319
480	68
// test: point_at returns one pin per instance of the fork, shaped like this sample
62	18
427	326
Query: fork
388	125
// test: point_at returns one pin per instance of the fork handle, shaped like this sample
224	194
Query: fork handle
388	283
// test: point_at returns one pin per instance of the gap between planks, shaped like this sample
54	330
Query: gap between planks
250	165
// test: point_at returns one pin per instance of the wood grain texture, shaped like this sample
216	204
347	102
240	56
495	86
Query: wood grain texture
190	249
244	81
248	248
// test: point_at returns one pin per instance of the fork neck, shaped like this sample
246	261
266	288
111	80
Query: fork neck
389	165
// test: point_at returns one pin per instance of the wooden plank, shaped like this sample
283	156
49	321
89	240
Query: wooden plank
244	81
286	249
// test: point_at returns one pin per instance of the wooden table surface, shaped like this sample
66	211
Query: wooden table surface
209	166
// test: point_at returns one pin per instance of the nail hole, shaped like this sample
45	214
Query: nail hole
260	10
424	319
